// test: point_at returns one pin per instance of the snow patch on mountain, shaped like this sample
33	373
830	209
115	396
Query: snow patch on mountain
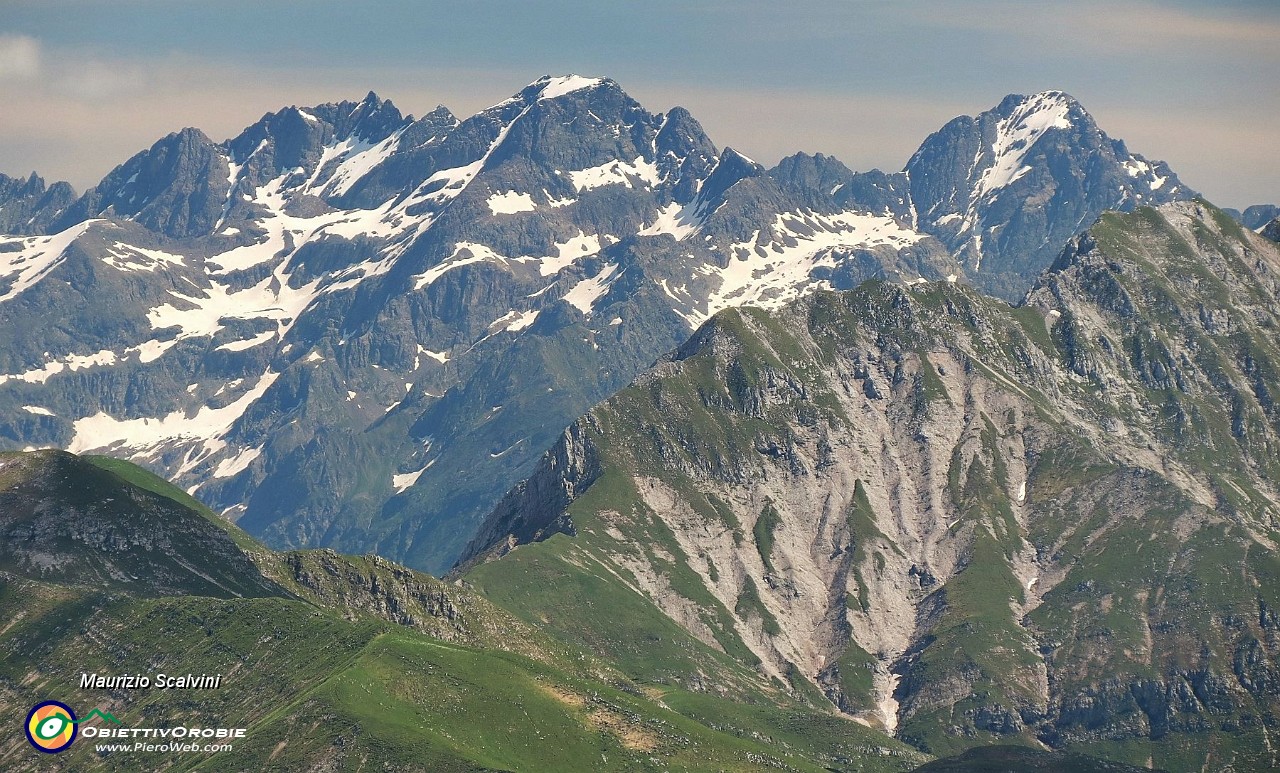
568	253
229	468
202	315
513	321
464	253
360	157
440	357
35	259
1016	135
674	219
248	343
126	257
70	362
511	203
145	437
584	294
402	482
558	87
770	274
616	173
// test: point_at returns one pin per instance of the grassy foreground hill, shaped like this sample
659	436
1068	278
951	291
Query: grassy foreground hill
332	662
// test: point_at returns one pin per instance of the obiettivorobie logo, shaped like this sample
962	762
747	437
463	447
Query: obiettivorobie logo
52	725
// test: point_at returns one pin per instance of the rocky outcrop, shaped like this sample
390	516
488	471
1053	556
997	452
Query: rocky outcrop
535	509
1272	230
64	519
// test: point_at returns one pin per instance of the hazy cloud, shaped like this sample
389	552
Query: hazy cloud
863	80
1132	26
19	57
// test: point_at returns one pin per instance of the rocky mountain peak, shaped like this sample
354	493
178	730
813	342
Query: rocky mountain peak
555	86
11	187
731	167
27	206
812	172
1053	101
1272	230
1005	189
176	187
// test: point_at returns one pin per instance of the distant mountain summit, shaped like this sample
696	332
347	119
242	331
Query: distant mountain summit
27	206
1004	190
1256	216
349	327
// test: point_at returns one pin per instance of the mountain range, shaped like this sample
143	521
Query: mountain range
347	327
730	468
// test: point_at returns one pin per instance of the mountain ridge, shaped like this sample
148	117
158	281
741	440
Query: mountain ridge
912	498
340	298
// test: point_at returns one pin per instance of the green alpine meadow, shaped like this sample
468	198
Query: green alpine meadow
334	662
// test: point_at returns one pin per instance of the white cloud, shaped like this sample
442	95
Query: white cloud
19	56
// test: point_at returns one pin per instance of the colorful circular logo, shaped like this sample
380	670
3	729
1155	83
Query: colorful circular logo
51	726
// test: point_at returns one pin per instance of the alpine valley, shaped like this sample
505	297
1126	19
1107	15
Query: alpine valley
730	468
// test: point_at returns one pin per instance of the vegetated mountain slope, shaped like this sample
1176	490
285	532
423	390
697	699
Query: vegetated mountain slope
349	328
330	662
964	522
1020	759
64	519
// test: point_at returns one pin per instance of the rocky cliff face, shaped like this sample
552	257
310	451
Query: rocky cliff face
963	521
348	327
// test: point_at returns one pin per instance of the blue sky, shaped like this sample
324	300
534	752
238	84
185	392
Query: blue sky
87	83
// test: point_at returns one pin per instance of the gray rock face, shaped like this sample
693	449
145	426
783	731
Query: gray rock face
1271	230
28	206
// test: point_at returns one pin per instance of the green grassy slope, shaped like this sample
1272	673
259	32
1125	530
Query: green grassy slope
351	664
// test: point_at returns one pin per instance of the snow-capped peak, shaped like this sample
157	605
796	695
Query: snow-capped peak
552	87
1030	120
